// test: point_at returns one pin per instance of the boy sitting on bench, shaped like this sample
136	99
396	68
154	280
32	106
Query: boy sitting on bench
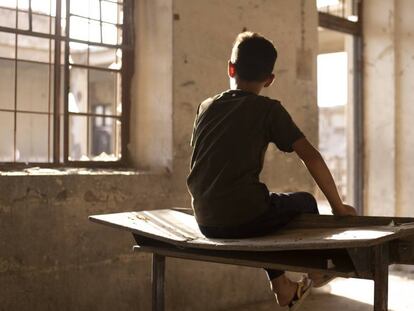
231	133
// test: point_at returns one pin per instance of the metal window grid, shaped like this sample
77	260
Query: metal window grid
57	38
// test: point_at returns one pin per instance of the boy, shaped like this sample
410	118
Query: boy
231	133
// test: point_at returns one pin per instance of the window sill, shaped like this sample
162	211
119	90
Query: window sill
38	171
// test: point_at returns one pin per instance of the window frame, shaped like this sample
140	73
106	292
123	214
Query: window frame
126	72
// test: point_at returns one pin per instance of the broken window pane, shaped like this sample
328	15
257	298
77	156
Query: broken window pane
104	57
7	136
31	137
78	138
29	73
110	34
94	138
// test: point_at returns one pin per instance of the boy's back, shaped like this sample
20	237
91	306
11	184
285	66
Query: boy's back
231	134
230	137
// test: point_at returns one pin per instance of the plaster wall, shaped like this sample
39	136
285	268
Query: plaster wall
53	258
389	114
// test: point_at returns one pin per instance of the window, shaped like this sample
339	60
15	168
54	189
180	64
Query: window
65	71
340	94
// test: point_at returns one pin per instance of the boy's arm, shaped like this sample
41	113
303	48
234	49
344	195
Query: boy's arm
321	174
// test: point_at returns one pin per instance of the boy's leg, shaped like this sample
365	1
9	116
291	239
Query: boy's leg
285	207
299	203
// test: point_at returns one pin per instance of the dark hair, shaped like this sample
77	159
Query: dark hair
253	56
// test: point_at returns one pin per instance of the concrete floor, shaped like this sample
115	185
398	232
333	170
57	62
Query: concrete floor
352	295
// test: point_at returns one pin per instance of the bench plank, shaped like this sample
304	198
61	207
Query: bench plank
181	229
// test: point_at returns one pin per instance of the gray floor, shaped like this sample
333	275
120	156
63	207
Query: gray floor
352	295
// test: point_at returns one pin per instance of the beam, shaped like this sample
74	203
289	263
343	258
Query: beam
340	24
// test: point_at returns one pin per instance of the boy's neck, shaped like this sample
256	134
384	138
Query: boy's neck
247	86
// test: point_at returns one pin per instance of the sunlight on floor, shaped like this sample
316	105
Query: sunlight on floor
401	289
351	295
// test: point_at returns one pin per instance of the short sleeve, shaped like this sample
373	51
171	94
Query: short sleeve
283	131
200	110
194	127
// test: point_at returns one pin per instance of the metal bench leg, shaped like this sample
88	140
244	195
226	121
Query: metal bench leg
381	262
157	279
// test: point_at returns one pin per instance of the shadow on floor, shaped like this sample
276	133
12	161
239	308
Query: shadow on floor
315	302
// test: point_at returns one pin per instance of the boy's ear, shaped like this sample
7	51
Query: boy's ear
269	80
231	70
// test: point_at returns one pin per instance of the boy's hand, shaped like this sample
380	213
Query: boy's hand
344	210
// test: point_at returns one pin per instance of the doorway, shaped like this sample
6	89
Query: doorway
339	78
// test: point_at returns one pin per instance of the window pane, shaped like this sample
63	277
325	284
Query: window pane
102	90
8	17
23	20
8	3
79	28
52	89
78	53
78	101
35	49
51	137
23	4
78	138
110	34
104	57
31	140
94	11
79	7
94	31
42	6
119	94
94	138
110	12
7	138
6	84
42	23
33	87
7	45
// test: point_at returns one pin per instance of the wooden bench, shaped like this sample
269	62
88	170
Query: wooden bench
360	246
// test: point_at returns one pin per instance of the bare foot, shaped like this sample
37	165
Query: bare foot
320	279
284	290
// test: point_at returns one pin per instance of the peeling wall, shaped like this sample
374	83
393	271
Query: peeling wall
389	109
53	258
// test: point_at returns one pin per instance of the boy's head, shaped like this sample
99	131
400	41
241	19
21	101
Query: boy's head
253	57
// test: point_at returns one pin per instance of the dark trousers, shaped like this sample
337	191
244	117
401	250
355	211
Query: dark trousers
283	208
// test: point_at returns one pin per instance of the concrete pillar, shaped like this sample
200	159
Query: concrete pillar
389	112
404	85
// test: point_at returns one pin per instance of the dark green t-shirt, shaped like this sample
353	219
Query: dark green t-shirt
231	133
